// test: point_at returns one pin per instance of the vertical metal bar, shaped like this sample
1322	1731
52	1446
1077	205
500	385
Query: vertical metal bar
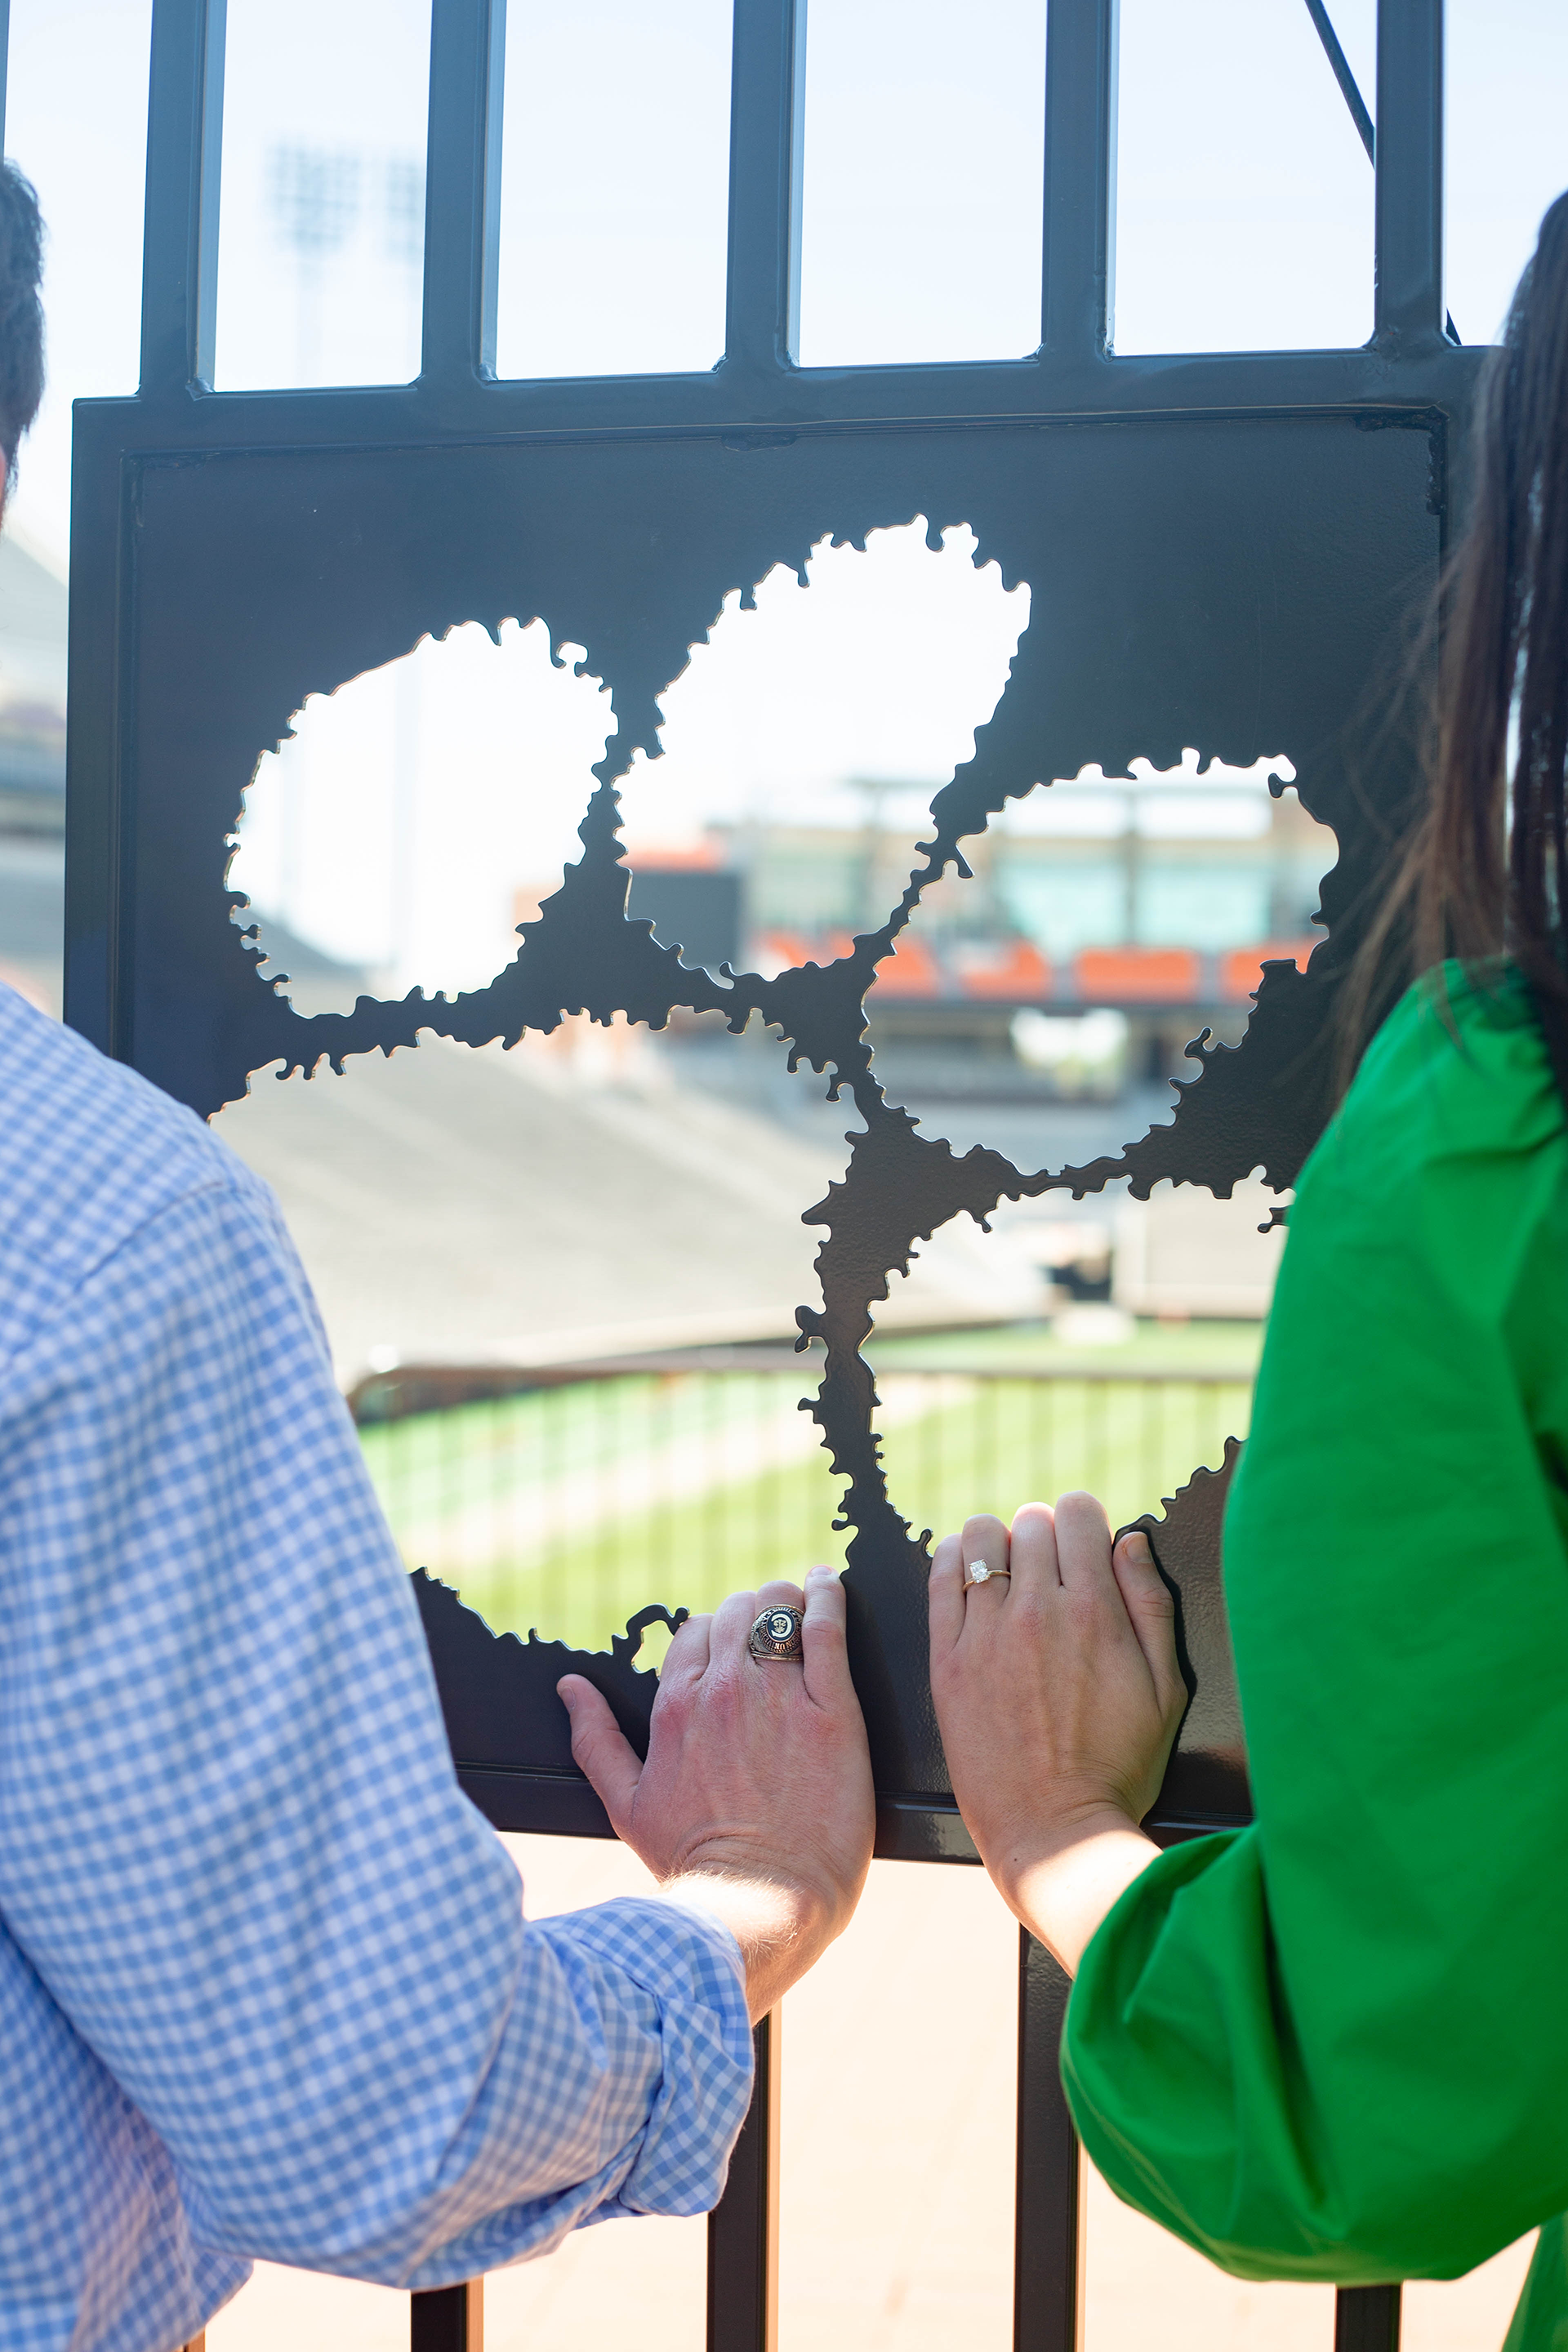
986	1409
714	1554
1366	2319
742	2229
184	150
1048	2259
5	63
463	189
447	2318
1351	91
1409	307
767	119
1339	65
496	1417
1081	38
95	731
937	1454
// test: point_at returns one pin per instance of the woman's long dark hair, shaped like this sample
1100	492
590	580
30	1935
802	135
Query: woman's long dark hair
1485	868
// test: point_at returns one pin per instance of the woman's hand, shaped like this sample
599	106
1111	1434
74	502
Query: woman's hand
1058	1697
755	1799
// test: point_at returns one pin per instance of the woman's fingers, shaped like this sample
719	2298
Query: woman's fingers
944	1597
1061	1698
1153	1611
1032	1548
1083	1545
984	1546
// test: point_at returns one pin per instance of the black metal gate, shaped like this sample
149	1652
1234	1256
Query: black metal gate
1221	549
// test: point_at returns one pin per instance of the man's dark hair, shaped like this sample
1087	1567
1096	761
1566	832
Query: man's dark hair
21	311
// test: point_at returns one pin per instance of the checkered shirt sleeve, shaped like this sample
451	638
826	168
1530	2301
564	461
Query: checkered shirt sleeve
266	1985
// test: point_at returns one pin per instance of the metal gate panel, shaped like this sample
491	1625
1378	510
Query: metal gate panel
1220	549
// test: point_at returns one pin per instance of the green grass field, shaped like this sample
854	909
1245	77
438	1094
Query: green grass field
566	1509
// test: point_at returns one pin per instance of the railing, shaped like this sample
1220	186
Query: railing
565	1500
562	1500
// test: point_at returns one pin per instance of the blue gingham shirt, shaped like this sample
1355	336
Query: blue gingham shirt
265	1986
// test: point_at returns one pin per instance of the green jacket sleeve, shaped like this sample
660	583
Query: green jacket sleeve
1336	2045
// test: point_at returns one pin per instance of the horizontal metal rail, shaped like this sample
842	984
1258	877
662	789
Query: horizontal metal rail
440	1386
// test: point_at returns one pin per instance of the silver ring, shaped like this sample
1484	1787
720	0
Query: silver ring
776	1636
981	1574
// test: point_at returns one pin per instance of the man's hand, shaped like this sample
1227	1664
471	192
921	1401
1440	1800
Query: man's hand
1058	1697
756	1795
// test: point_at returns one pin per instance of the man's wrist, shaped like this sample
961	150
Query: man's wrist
805	1898
779	1925
769	1901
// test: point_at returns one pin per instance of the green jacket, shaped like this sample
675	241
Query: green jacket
1335	2045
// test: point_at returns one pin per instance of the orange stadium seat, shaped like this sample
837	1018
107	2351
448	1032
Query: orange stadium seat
1138	975
1241	972
911	970
1009	968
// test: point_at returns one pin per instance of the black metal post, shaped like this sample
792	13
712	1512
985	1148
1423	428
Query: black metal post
742	2229
1339	66
1081	172
1409	143
1047	2261
5	63
1366	2319
184	150
767	115
463	189
449	2318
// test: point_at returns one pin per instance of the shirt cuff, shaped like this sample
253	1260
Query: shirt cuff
688	1963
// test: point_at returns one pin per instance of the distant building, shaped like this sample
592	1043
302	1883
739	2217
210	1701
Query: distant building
1156	901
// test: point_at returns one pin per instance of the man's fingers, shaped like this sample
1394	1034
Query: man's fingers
945	1596
686	1656
732	1623
823	1638
779	1594
601	1749
1153	1614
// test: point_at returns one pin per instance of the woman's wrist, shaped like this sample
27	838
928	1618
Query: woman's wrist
1059	1693
1061	1876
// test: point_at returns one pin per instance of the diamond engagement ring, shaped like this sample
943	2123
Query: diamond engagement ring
981	1574
776	1635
